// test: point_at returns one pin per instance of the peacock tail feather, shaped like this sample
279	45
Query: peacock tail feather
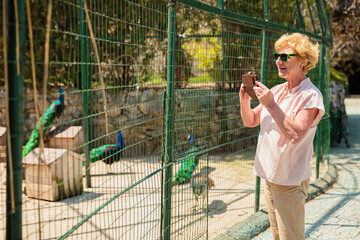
46	119
96	154
187	168
109	153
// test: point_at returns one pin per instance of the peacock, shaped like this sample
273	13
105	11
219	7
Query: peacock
200	184
188	165
53	111
108	153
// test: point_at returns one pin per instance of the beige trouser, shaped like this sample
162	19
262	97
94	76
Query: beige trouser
286	207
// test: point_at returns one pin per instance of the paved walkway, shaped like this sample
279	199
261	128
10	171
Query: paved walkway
336	214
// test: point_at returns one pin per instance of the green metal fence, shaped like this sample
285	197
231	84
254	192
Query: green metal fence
156	82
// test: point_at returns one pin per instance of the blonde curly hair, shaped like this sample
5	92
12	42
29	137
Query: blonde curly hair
306	51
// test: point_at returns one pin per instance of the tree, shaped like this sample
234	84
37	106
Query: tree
346	35
121	30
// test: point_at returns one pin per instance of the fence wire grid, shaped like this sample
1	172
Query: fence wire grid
140	135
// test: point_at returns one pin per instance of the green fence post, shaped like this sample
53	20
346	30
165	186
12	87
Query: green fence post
265	41
300	17
207	162
328	23
15	92
169	134
318	149
321	18
263	79
321	88
326	130
221	4
84	87
311	16
223	75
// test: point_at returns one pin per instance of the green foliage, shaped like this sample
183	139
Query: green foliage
153	79
346	31
122	30
339	77
204	78
160	79
205	50
183	65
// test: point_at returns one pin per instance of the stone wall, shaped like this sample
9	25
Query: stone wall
337	96
338	117
140	116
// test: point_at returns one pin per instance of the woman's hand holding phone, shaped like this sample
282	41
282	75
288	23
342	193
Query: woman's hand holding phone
264	94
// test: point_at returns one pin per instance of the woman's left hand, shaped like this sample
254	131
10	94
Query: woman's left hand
264	94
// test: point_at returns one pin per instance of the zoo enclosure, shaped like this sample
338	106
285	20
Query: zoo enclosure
137	52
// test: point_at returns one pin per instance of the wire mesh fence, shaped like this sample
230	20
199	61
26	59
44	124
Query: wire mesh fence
136	133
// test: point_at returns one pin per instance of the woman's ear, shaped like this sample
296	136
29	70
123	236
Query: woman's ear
302	65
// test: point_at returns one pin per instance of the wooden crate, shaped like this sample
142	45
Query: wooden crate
56	176
71	138
2	135
2	144
2	153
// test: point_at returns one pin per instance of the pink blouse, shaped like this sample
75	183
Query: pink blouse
277	160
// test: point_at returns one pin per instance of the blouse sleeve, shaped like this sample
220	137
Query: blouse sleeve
314	100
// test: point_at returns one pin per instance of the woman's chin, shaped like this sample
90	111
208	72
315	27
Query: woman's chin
281	74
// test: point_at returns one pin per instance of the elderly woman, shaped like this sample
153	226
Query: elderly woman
288	115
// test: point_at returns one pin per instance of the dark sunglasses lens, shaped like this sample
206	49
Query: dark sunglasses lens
276	56
284	57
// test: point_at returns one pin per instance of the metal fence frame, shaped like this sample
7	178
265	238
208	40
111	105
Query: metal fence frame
15	39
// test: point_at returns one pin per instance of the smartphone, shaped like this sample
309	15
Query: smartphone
249	82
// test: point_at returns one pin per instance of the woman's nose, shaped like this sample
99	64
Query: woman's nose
278	61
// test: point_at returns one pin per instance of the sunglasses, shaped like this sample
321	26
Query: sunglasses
284	57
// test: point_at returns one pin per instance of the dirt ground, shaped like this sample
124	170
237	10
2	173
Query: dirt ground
136	213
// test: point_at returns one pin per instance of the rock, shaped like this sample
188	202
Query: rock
2	117
78	114
120	99
145	106
29	106
146	96
2	97
215	127
31	121
113	113
152	108
134	116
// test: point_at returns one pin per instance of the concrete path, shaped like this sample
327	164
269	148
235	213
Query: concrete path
336	214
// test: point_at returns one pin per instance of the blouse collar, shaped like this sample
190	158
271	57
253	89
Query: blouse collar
302	83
